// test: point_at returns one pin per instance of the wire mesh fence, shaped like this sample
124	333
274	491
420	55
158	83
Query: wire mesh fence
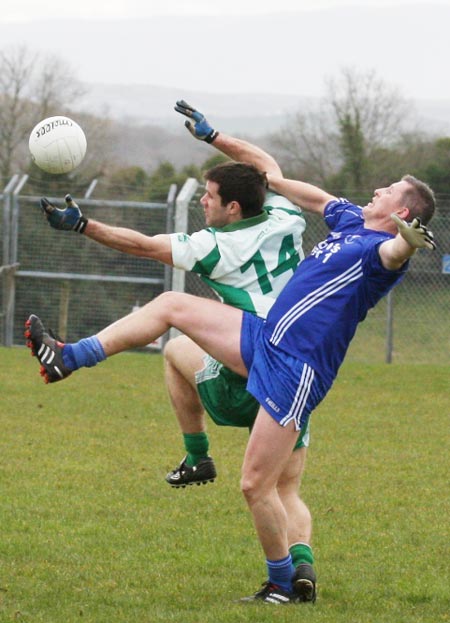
79	286
76	284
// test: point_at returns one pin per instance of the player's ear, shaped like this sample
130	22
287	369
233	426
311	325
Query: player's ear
404	214
234	208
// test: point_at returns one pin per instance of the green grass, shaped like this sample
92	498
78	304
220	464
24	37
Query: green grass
91	532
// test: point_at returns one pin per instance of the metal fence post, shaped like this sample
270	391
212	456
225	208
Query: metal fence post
169	229
64	300
389	327
7	217
90	190
181	225
15	212
8	302
10	234
168	270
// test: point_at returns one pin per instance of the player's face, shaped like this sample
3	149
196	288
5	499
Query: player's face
385	201
216	214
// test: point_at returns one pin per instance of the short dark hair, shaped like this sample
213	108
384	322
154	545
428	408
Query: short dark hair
419	199
241	182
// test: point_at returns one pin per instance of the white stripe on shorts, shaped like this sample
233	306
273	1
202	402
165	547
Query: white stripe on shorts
301	396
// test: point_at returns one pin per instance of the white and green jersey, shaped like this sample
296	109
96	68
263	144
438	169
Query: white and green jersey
246	263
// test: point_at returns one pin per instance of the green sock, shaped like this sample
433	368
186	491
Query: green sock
197	446
301	553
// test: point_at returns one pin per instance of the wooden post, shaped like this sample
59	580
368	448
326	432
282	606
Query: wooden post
64	298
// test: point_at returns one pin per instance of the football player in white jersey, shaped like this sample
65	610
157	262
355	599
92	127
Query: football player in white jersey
269	243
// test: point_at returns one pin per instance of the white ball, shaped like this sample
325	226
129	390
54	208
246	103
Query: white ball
57	145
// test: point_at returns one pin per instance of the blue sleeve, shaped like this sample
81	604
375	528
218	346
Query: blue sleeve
340	213
380	279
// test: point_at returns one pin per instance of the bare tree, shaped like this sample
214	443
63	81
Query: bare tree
16	70
347	137
306	145
366	101
56	87
32	87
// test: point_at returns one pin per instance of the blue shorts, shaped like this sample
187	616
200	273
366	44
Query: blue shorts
287	387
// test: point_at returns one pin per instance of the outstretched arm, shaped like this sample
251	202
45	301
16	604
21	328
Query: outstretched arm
130	241
235	148
411	236
311	198
120	238
242	151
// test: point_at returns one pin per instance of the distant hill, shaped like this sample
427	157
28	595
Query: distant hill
250	113
253	114
148	131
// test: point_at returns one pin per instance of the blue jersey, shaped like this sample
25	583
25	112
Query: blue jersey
316	315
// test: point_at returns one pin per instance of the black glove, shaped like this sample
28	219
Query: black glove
201	128
68	218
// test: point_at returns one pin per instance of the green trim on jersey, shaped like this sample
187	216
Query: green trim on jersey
236	297
244	223
206	265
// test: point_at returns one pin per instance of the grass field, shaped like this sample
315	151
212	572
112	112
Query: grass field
91	532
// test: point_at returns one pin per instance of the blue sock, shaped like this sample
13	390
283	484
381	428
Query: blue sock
281	572
86	353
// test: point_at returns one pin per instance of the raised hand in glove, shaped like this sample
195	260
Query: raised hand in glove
415	234
201	128
68	218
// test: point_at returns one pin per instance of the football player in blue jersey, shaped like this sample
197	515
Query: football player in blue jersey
292	358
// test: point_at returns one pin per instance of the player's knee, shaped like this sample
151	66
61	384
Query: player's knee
251	487
174	348
247	490
170	299
171	306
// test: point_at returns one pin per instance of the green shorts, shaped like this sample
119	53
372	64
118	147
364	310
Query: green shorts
226	400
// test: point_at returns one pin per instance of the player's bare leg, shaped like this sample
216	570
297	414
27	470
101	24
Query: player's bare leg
268	452
182	359
214	326
299	526
267	455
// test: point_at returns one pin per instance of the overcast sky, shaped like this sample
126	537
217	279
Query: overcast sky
24	10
